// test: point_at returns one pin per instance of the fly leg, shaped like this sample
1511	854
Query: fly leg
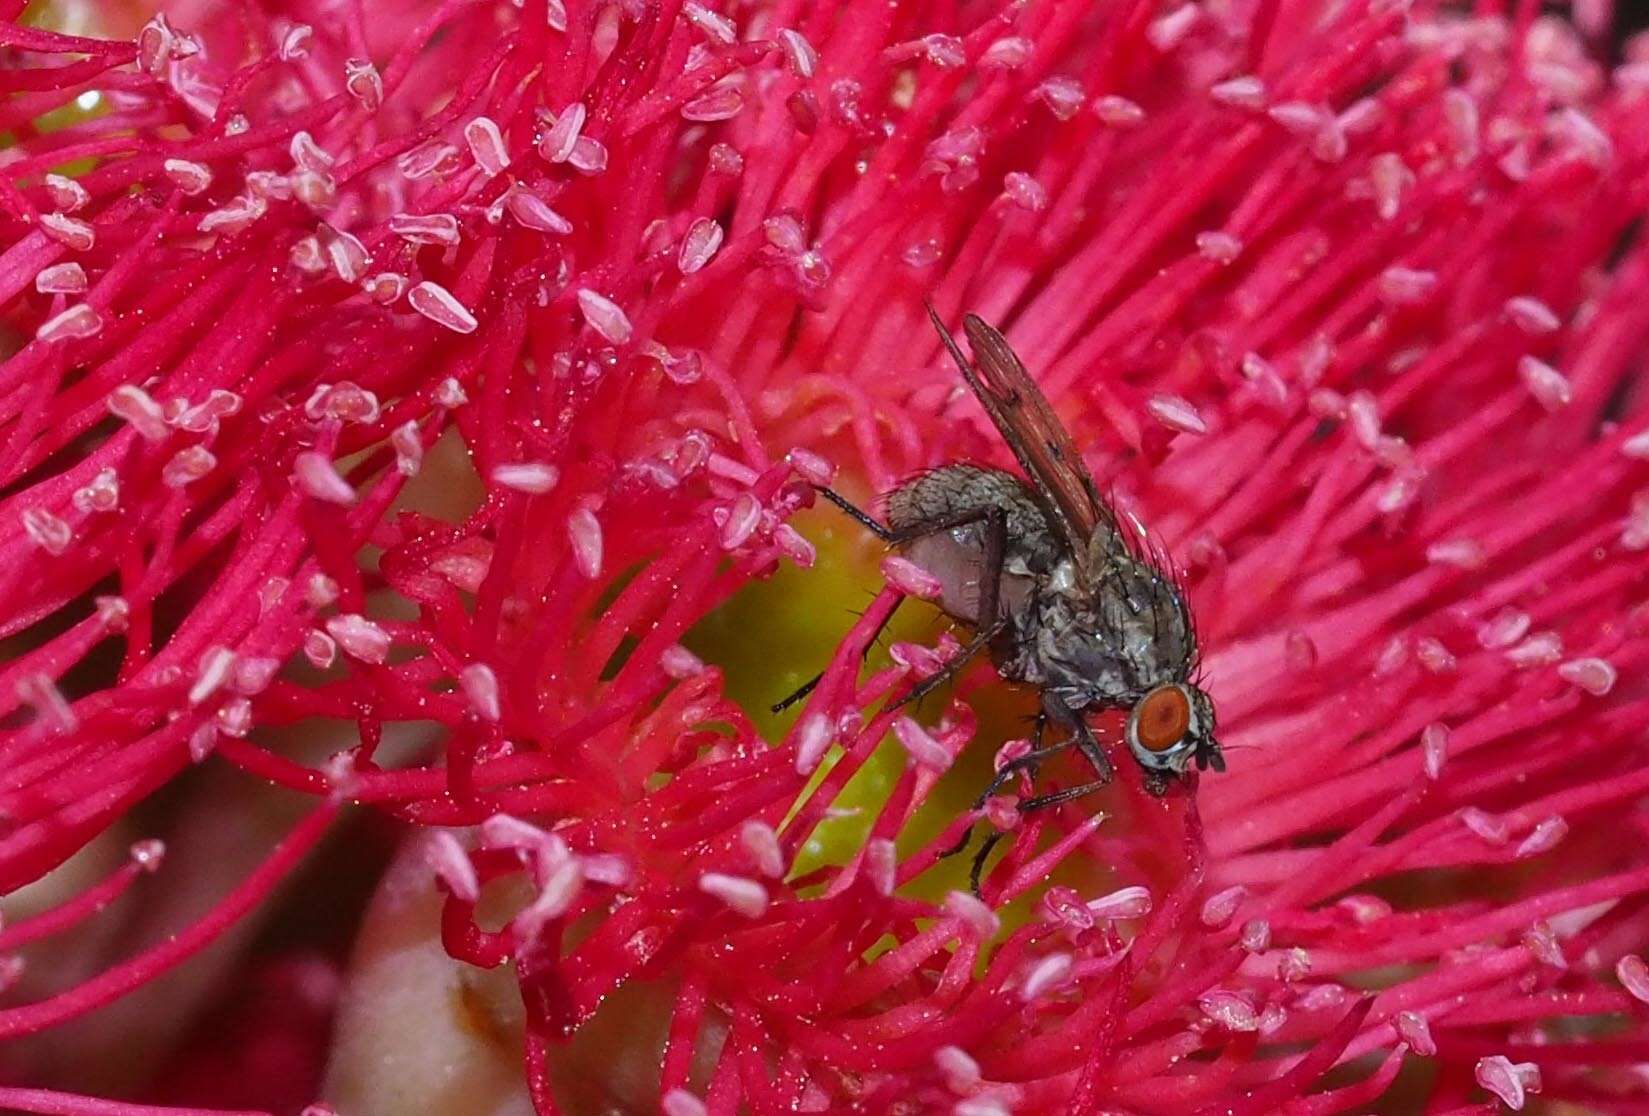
991	622
1043	801
869	523
1040	802
954	666
1030	761
995	520
1082	737
813	683
858	514
979	858
996	541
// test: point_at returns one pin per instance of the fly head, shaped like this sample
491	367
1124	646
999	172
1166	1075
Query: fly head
1169	729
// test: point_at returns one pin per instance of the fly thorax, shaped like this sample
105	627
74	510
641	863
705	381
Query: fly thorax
1062	580
1141	615
1076	660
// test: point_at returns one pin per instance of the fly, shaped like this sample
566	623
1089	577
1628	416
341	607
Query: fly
1060	593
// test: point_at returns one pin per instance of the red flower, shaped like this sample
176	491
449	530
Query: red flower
1345	302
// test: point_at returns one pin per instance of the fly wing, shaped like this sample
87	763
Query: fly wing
1032	430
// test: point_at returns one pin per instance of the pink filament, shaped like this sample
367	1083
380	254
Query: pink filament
1285	323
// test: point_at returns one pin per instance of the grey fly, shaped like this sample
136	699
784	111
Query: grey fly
1062	594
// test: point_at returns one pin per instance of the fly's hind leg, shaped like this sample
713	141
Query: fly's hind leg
881	531
991	622
858	514
996	543
813	683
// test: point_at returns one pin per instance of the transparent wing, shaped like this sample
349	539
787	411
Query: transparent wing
1032	430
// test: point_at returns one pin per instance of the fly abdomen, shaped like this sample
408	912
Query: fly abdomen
956	556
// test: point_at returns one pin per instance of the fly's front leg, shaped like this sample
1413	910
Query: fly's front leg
1030	761
1082	737
977	871
1058	797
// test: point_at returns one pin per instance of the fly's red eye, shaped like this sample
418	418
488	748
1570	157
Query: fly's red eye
1163	717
